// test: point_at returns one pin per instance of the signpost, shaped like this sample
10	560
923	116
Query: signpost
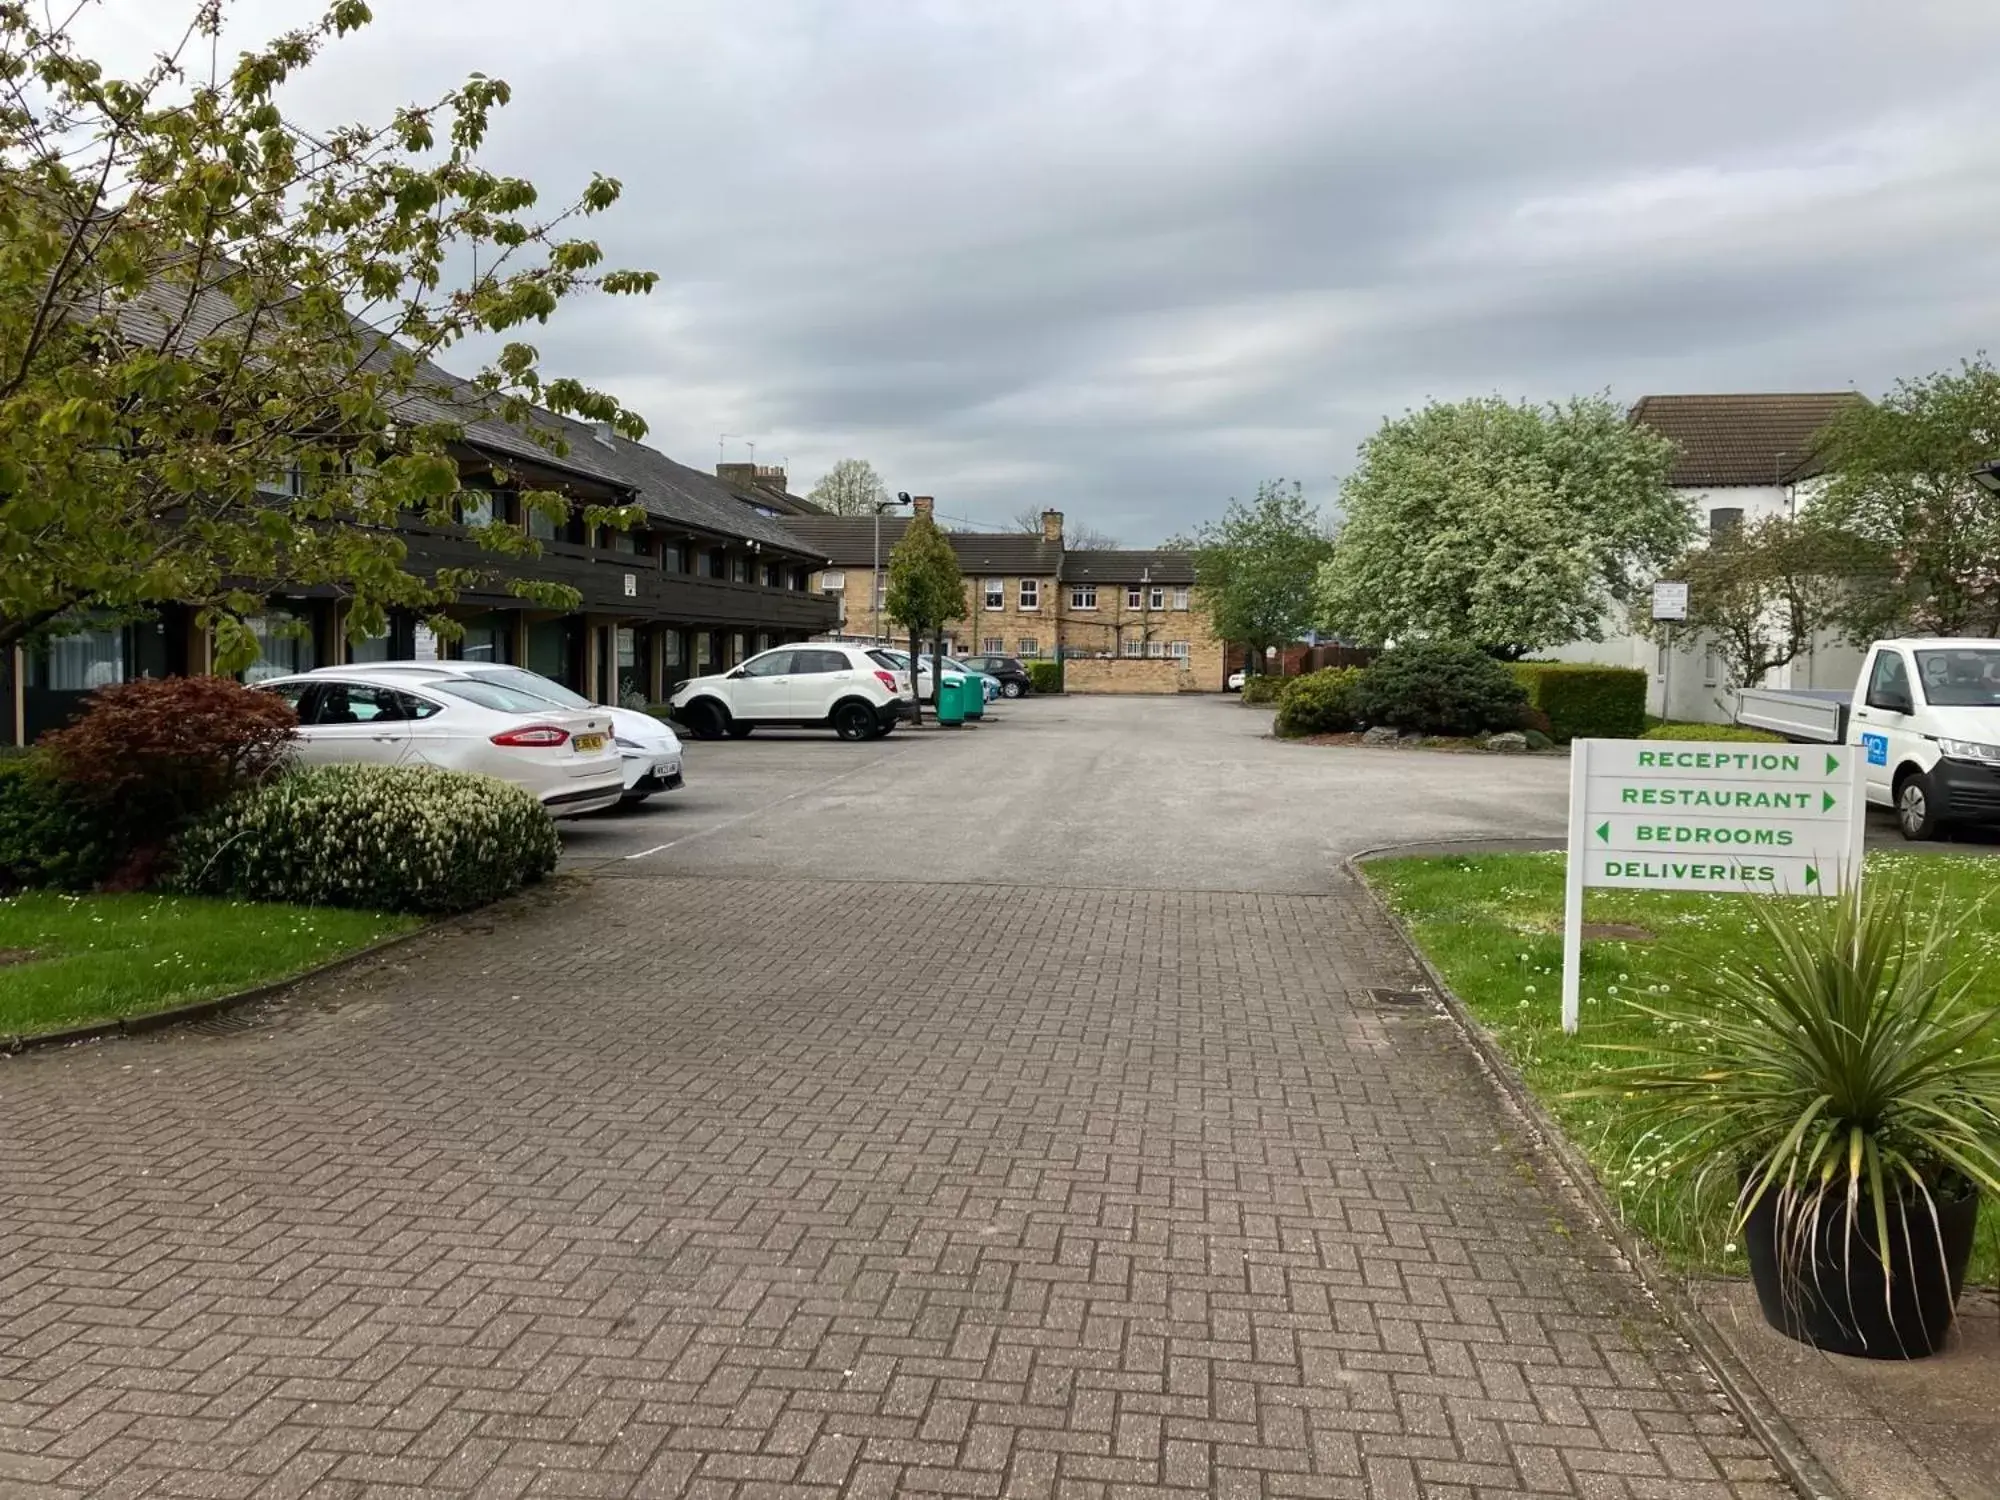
1662	815
1670	603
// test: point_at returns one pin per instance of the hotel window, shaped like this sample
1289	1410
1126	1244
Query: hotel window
543	527
672	559
773	576
79	662
284	645
739	569
287	482
488	637
1131	648
736	651
626	542
1156	648
1031	593
1180	598
475	508
1724	520
1131	596
1157	598
833	581
1027	645
1083	596
1179	649
996	593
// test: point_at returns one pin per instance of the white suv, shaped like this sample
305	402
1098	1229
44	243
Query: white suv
847	688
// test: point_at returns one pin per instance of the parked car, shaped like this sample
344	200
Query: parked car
989	686
1014	679
648	749
1925	717
1233	683
352	715
849	689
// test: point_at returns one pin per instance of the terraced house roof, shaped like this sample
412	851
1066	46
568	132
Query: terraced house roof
849	542
1128	566
1751	439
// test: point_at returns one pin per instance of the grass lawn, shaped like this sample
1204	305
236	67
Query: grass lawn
68	960
1492	925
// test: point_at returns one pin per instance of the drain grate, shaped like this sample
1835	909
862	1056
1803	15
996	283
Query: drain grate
1399	997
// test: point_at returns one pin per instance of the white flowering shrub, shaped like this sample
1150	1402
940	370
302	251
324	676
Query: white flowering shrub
388	838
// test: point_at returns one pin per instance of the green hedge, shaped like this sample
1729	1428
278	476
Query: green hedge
1584	701
49	834
1320	702
1741	734
1045	676
1264	687
387	838
1438	687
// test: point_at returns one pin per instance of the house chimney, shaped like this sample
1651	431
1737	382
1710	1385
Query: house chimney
605	434
743	474
924	504
772	477
1052	526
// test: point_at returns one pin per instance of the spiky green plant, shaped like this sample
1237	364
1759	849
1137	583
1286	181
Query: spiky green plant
1835	1061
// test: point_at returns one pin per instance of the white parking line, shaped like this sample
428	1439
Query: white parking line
755	812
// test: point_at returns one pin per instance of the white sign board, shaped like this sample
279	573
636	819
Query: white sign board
425	647
631	585
1670	601
1661	815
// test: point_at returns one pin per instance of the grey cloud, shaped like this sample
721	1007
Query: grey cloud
1133	255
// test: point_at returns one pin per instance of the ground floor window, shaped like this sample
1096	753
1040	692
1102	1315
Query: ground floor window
79	662
1156	648
704	651
670	649
635	667
1131	648
736	651
284	644
993	645
552	652
1179	649
488	637
1028	646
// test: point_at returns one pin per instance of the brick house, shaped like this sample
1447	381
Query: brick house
1029	595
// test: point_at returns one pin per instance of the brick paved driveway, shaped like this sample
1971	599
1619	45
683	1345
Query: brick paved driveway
711	1184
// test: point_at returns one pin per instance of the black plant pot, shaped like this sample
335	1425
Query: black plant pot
1835	1297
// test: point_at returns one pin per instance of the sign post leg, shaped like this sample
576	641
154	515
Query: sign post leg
1579	832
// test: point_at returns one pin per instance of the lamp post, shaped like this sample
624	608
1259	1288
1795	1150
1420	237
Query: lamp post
875	573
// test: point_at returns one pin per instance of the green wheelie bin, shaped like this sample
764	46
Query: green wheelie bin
951	699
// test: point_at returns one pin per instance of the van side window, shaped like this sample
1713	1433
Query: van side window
1889	683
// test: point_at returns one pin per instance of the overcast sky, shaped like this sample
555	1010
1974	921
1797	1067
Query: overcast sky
1128	257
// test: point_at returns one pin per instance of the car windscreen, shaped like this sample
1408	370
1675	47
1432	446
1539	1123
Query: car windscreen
1960	676
498	696
895	661
545	688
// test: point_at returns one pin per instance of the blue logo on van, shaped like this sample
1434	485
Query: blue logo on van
1877	746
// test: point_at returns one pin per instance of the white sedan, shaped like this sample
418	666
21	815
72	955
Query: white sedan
648	748
351	715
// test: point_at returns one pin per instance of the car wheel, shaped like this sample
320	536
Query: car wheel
854	721
1011	689
705	721
738	730
1916	807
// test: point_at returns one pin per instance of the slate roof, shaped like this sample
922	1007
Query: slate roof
1127	566
666	490
849	542
1749	439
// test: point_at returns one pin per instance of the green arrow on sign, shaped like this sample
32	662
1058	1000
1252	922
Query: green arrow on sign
1832	764
1604	832
1826	801
1812	875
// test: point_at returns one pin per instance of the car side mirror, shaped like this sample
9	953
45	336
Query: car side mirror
739	672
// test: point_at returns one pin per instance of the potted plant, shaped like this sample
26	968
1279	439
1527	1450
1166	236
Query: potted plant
1837	1081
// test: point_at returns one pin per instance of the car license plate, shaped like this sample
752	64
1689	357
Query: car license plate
587	744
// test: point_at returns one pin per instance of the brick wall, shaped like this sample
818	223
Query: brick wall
1091	674
1114	626
1010	624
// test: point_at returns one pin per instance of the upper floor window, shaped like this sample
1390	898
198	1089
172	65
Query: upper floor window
1724	520
542	526
672	559
287	481
1157	598
996	593
475	508
833	581
740	568
1131	596
1031	593
1083	596
1180	598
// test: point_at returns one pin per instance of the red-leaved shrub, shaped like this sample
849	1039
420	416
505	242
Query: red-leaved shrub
157	752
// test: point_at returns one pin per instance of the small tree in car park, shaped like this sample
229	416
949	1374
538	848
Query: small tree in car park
1256	569
217	328
926	593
